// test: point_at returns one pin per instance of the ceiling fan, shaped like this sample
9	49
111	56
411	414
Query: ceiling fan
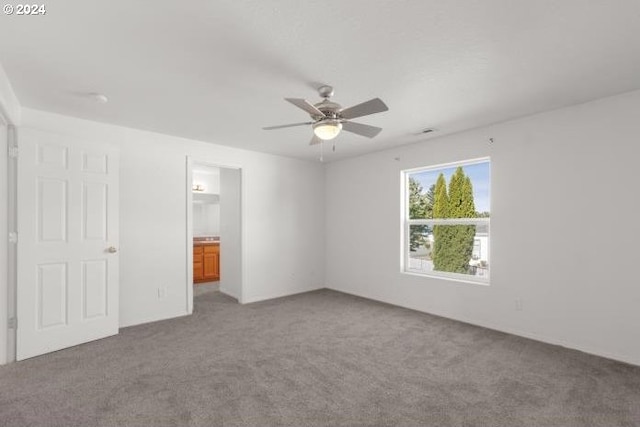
329	118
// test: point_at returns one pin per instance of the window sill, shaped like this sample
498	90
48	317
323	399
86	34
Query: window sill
482	282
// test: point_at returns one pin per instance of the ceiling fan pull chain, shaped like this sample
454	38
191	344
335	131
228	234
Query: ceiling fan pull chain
334	146
322	151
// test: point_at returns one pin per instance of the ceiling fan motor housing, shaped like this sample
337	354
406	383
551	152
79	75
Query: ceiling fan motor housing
328	108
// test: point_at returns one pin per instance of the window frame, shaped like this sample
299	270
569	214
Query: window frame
406	224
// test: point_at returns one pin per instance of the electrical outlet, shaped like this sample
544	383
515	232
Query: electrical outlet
518	304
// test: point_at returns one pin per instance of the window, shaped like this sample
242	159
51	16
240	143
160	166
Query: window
446	221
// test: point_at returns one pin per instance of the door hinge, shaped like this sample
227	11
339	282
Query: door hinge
13	237
13	323
13	152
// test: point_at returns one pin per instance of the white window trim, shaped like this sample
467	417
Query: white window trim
406	223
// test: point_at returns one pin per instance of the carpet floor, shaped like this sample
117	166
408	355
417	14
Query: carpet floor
317	359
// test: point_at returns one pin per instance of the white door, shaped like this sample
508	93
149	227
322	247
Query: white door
67	242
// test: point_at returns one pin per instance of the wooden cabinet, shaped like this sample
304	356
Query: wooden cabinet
206	262
198	272
211	262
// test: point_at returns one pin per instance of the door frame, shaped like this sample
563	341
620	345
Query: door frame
190	162
9	263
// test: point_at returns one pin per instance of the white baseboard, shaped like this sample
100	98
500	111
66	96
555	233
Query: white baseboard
151	319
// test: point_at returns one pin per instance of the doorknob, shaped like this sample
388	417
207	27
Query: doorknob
112	250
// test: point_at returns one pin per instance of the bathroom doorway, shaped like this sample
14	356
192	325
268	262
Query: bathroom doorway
205	192
214	238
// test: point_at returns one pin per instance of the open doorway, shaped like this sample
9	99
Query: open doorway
206	229
213	230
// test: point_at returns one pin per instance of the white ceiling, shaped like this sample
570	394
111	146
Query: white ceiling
218	70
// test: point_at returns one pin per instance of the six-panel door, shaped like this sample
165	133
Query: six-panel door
68	242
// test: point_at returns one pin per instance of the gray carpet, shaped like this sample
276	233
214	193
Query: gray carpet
321	358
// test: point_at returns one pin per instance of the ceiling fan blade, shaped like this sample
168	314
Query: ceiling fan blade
287	126
306	106
360	129
315	140
372	106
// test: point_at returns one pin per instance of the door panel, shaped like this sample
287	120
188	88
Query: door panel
94	289
52	210
52	155
94	210
95	162
52	295
67	274
198	270
209	266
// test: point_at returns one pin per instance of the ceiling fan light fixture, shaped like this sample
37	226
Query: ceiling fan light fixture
327	129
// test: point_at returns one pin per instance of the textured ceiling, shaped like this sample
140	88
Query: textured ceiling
218	70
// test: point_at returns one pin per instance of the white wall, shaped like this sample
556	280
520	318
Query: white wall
281	198
9	106
231	232
558	179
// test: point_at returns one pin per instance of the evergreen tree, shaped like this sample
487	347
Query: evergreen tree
419	208
454	243
455	193
462	236
440	235
430	197
468	206
417	200
461	204
441	199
